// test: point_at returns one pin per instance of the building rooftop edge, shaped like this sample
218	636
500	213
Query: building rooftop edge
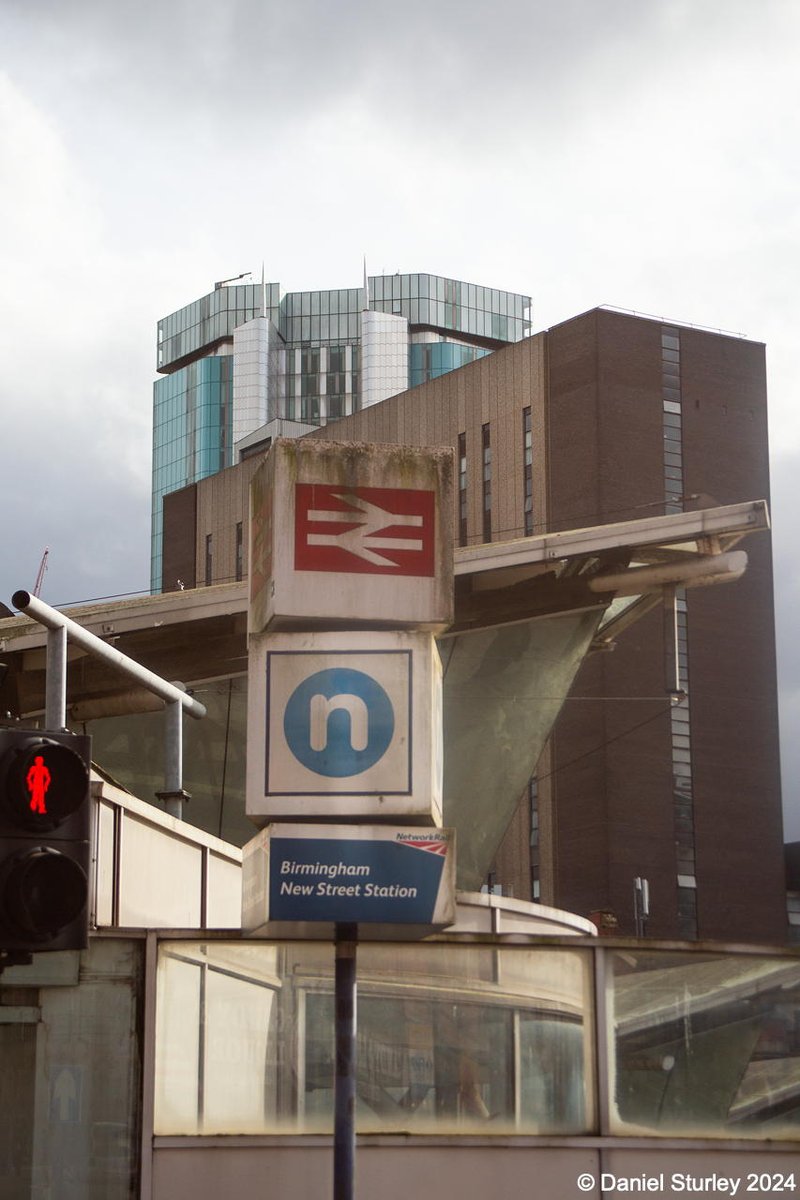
619	310
349	287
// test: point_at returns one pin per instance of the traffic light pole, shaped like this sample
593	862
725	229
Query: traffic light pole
344	1113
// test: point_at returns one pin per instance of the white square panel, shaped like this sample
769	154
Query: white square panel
339	722
344	726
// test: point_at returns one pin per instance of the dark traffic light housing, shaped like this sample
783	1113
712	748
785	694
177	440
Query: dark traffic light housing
44	840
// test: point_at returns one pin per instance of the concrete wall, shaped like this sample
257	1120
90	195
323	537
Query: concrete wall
396	1168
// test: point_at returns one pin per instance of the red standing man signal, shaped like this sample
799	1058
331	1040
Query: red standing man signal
38	781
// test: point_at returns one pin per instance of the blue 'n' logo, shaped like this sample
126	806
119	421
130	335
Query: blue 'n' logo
338	722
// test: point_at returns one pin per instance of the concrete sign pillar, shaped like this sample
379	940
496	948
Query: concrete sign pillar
351	534
351	574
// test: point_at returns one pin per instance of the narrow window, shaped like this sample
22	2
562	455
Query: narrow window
239	552
487	483
209	560
527	469
533	799
462	489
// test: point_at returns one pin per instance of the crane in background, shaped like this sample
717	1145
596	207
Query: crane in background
37	587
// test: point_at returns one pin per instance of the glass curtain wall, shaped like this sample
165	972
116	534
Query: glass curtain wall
458	1038
212	319
451	304
192	435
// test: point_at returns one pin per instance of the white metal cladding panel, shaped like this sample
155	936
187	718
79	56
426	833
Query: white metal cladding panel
224	893
250	377
104	864
160	879
154	871
384	349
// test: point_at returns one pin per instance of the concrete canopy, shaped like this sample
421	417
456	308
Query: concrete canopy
526	614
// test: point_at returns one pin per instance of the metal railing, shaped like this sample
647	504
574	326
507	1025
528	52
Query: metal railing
176	698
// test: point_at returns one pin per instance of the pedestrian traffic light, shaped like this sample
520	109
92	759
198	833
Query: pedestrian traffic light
44	840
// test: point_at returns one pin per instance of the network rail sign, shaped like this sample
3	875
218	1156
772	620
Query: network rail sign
344	726
355	874
353	533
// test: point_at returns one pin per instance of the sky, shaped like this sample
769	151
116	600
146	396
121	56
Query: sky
640	153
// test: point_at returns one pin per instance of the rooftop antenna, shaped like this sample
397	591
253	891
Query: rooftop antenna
263	291
366	286
37	587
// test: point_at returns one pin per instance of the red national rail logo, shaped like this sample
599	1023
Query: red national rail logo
433	847
364	530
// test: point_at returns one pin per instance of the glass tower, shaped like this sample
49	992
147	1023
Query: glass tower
244	358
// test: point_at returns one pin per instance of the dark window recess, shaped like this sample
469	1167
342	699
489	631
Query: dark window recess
687	912
487	483
533	798
239	551
462	489
527	459
209	560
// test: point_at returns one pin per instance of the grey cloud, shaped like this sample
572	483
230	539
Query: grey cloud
193	60
60	493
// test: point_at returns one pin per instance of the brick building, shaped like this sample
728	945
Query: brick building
658	768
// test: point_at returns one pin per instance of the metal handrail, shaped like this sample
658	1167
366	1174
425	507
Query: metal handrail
60	628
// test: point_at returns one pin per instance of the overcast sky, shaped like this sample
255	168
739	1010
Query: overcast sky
642	153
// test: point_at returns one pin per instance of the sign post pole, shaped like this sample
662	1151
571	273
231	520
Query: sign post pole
344	1114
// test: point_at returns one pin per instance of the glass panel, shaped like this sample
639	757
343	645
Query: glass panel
706	1044
237	1014
488	683
178	1032
552	1074
132	748
451	1039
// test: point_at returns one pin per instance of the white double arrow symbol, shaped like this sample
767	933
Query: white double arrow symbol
368	520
